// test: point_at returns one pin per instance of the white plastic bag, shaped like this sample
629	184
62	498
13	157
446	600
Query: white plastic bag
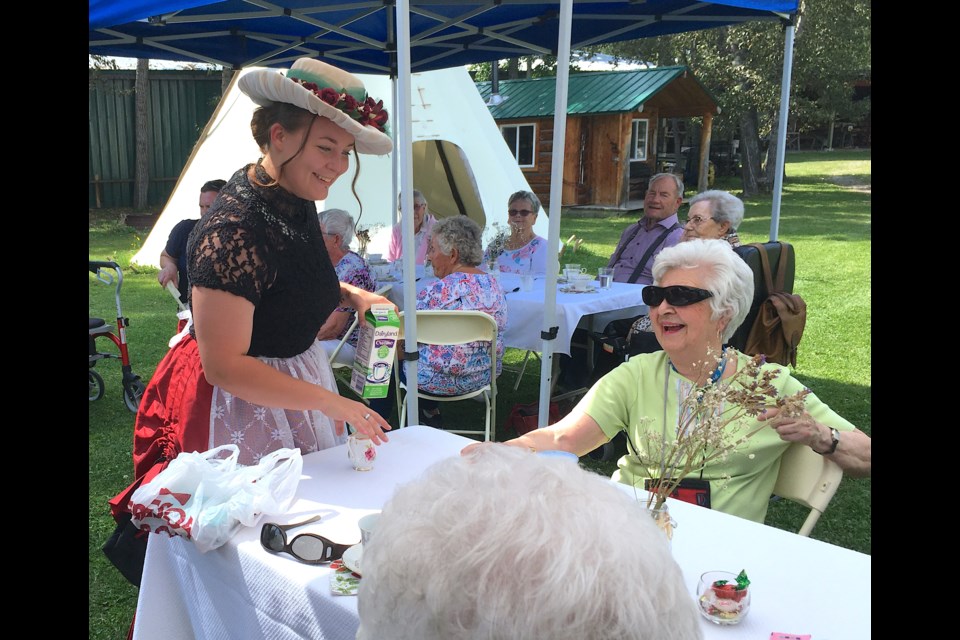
206	496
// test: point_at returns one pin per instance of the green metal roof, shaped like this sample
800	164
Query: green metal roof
592	92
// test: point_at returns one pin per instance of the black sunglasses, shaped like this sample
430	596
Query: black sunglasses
523	213
306	547
677	295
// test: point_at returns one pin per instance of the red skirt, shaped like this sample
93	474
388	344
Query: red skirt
174	416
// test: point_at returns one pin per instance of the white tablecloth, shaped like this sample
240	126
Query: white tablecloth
592	310
240	590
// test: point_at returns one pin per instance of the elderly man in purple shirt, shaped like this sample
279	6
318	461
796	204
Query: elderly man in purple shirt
632	261
657	229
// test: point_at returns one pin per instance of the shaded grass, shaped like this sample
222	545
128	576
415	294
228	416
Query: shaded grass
828	224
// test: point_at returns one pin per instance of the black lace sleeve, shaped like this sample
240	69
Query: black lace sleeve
228	255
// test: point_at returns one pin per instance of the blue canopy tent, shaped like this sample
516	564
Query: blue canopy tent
397	37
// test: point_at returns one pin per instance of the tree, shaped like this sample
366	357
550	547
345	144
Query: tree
742	67
142	175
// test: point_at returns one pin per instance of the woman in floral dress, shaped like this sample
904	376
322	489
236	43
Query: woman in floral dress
337	227
455	252
523	251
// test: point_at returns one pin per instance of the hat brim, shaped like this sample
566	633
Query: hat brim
265	86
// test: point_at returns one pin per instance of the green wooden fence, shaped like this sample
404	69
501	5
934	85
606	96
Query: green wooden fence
180	104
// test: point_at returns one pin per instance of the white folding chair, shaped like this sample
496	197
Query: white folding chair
808	478
451	327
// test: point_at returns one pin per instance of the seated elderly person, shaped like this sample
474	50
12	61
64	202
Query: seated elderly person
338	230
702	291
523	250
455	252
714	214
460	553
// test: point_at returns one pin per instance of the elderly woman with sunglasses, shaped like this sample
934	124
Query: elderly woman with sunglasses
523	250
701	293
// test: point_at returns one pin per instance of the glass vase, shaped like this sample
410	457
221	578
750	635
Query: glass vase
662	518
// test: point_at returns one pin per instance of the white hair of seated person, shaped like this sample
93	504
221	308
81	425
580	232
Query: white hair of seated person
505	544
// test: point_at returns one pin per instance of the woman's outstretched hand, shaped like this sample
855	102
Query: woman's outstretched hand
361	417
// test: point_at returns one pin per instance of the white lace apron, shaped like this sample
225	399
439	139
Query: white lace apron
258	430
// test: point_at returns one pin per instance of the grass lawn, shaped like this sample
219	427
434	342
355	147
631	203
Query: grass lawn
825	214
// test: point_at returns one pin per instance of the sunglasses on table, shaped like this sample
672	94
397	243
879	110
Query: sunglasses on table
523	213
305	547
676	295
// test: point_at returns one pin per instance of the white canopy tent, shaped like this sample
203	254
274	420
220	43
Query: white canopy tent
364	36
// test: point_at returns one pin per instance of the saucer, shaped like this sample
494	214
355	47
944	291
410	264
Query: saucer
351	558
570	289
377	263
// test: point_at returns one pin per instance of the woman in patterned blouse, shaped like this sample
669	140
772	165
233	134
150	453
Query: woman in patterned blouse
524	251
338	230
455	252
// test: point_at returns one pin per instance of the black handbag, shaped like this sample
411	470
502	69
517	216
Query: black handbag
126	548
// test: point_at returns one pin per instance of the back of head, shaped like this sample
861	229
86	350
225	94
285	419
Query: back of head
460	232
730	279
212	185
504	543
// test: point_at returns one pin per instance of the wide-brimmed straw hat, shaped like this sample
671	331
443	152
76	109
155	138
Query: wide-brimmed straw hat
327	91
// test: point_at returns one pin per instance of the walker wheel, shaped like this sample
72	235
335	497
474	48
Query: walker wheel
132	392
96	385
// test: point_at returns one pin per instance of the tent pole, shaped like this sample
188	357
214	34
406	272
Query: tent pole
782	130
403	150
556	197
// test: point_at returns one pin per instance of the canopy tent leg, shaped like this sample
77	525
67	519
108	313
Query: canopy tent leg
782	130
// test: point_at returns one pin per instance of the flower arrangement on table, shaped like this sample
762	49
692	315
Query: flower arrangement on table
709	426
497	244
364	235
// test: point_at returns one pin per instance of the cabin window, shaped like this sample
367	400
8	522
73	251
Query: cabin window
520	138
638	139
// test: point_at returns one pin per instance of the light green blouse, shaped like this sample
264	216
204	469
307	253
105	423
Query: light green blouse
636	389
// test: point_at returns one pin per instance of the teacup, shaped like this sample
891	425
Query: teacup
375	257
361	451
367	524
581	281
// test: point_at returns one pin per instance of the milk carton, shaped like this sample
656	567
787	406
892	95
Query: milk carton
376	346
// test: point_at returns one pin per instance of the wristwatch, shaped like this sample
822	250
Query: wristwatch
833	447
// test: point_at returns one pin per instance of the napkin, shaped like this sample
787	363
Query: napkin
343	582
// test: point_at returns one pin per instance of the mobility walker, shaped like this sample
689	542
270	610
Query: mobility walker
133	387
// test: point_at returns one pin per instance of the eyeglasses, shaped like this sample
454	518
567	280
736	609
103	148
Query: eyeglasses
523	213
306	547
696	220
677	295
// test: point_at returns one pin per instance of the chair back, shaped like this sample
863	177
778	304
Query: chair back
445	326
775	251
808	478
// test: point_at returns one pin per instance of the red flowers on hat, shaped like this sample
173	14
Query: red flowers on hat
369	113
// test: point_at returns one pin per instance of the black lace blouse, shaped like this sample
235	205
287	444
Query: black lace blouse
264	244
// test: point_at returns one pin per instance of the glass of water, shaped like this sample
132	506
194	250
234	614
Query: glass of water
605	276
